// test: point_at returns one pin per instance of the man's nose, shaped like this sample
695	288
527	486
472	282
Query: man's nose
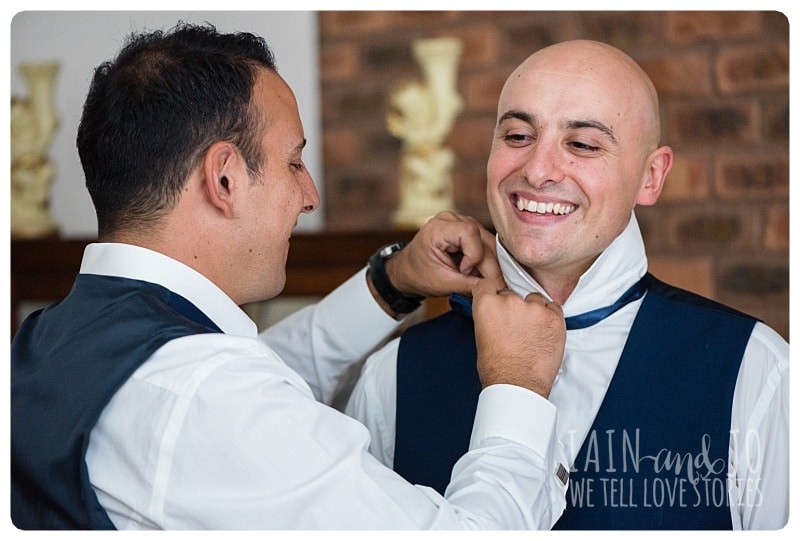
543	164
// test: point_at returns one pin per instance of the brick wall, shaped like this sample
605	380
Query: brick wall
721	227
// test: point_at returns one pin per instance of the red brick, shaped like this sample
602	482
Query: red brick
752	176
691	26
481	91
775	110
758	286
479	46
471	188
776	229
688	179
763	278
627	31
352	23
367	103
693	273
341	147
471	138
339	62
396	57
705	229
776	25
653	222
717	123
683	74
415	20
746	68
525	34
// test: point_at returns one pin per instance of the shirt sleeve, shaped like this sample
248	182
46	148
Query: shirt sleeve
234	439
326	341
505	413
300	451
759	443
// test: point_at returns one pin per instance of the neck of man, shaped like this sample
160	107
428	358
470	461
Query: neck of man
558	283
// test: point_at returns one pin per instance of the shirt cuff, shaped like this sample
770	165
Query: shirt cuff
516	414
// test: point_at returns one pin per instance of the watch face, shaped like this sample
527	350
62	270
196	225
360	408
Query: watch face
386	251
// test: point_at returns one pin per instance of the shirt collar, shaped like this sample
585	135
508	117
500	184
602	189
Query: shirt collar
613	272
137	263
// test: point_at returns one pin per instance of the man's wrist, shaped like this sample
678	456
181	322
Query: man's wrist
388	295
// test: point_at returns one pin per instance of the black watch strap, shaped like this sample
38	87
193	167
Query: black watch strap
397	301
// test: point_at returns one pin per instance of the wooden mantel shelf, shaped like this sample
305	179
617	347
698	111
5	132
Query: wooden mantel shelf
43	270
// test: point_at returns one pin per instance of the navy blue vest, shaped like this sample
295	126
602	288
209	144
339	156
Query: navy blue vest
656	455
67	361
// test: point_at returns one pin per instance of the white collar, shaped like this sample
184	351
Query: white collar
613	272
137	263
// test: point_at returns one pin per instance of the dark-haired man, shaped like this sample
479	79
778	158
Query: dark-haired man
146	400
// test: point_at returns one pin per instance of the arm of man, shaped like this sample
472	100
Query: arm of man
321	342
373	402
240	443
760	461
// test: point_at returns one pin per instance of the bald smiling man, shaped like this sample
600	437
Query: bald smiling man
669	411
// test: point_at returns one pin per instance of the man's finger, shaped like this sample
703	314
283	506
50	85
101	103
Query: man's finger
488	286
538	298
479	253
488	267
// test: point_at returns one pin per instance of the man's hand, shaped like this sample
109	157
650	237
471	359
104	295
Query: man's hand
449	254
520	342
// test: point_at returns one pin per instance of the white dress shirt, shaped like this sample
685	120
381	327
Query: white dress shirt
226	431
759	443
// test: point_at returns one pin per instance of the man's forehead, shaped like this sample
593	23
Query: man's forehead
554	84
574	97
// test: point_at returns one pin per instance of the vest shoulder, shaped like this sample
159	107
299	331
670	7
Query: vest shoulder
675	294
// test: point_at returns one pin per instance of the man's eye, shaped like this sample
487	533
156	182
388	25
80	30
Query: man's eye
517	138
297	166
585	147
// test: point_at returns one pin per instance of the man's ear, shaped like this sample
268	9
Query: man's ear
658	165
221	173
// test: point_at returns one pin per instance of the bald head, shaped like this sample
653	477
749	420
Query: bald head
575	149
604	74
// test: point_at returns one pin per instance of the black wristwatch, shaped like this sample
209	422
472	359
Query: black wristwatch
398	302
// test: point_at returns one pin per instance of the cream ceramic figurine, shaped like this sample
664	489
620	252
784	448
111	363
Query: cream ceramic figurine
33	123
421	115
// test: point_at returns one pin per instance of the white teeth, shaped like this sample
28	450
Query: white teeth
544	208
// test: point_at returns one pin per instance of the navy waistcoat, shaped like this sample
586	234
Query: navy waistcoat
67	361
656	455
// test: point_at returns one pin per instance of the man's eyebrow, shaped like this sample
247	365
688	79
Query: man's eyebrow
577	124
300	146
515	114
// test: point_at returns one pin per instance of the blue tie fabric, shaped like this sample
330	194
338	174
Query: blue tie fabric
463	305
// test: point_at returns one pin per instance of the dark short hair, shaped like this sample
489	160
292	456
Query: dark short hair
153	111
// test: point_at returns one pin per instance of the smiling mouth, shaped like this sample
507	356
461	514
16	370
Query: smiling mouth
540	207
